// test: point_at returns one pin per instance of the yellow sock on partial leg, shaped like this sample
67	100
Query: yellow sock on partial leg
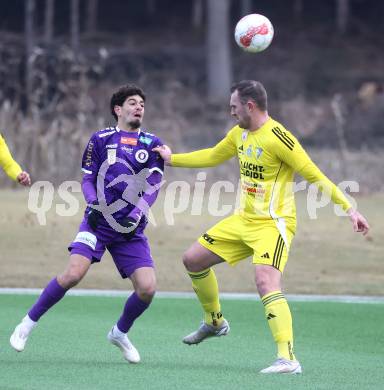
205	285
280	322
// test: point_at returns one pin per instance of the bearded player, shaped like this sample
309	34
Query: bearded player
121	180
265	223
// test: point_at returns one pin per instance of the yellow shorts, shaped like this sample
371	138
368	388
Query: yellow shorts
236	238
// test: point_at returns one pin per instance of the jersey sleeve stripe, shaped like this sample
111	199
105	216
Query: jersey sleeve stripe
283	138
284	135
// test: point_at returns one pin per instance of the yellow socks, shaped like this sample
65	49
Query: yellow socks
280	322
205	285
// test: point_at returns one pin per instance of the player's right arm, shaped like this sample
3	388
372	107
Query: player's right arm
90	168
10	166
210	157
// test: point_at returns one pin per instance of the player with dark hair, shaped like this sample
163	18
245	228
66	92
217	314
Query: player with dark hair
121	181
10	166
265	223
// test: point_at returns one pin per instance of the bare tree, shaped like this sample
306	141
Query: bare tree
75	26
91	17
246	7
298	10
49	21
151	7
337	105
30	7
197	13
343	9
219	67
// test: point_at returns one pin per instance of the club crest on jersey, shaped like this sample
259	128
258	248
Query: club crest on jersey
258	152
111	156
141	156
249	151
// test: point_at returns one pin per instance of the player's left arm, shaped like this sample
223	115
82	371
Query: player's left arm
290	151
11	167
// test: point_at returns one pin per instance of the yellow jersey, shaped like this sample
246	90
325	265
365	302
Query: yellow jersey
10	166
268	159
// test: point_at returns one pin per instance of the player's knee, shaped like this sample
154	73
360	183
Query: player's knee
70	278
262	281
262	286
267	280
147	291
189	261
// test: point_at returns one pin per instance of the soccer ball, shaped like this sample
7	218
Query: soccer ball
254	33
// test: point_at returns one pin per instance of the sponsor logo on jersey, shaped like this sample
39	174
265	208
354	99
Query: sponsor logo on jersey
258	152
87	239
127	149
111	146
88	155
128	141
141	156
251	170
102	135
208	238
253	190
145	140
111	155
241	150
249	151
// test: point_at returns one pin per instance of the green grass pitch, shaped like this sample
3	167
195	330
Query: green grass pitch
339	345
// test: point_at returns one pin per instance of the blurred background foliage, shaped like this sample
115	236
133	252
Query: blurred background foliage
60	61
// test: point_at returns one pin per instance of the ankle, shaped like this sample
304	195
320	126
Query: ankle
28	323
117	332
213	318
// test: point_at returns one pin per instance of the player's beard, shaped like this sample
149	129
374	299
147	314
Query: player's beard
245	122
135	124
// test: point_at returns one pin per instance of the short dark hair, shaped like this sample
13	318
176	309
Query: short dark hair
251	90
121	95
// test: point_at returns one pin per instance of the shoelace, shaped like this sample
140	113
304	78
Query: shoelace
282	361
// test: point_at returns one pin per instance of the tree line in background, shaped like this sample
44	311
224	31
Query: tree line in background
56	88
216	13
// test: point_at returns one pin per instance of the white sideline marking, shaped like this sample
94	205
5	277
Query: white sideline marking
190	295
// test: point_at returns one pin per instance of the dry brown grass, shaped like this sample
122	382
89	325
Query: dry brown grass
326	257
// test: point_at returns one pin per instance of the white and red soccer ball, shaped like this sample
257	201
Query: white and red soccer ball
254	33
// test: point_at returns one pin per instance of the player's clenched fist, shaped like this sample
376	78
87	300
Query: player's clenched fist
24	179
165	153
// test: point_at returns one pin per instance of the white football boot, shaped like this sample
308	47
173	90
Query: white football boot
205	331
21	333
283	366
121	341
